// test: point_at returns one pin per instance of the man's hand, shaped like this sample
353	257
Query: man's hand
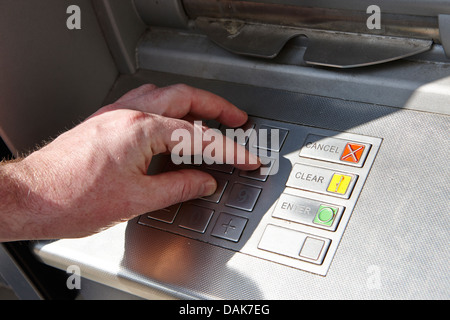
95	175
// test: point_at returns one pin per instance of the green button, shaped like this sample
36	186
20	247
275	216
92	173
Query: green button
325	215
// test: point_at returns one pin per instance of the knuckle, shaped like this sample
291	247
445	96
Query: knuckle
182	87
186	191
143	89
148	86
186	188
187	92
181	96
137	125
133	118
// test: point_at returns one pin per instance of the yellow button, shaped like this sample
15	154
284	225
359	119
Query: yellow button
339	183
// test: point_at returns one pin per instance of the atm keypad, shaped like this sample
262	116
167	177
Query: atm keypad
243	196
229	227
293	210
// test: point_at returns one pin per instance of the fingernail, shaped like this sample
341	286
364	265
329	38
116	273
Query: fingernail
209	188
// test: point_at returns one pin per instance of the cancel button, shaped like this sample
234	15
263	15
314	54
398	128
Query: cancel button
318	146
335	150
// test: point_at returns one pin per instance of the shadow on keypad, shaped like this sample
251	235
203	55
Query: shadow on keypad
226	219
229	216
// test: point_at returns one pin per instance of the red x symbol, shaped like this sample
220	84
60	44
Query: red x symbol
352	152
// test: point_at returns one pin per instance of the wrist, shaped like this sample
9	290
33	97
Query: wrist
11	202
16	207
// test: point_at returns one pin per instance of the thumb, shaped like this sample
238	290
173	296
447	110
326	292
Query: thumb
172	187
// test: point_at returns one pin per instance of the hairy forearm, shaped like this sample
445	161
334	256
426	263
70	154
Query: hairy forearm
13	208
94	175
36	202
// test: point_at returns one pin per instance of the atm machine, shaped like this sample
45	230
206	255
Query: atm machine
353	202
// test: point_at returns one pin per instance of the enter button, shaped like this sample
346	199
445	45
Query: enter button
307	211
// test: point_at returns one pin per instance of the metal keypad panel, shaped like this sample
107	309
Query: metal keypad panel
293	210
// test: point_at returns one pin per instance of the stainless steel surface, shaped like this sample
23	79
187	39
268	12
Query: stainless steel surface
255	199
239	37
326	48
408	7
387	250
240	221
419	85
336	37
444	32
350	17
343	50
394	246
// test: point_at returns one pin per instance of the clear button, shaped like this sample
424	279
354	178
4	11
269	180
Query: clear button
321	180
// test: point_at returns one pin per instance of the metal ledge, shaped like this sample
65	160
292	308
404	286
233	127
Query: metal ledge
325	48
418	85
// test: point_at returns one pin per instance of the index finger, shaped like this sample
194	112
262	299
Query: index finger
184	139
178	101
